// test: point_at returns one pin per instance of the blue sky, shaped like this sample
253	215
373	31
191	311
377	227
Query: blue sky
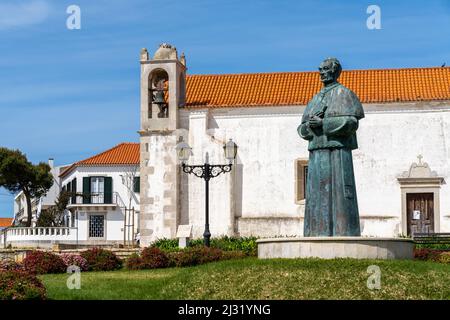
69	94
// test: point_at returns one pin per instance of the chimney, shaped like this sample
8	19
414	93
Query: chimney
51	162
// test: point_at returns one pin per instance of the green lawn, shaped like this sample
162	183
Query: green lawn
251	278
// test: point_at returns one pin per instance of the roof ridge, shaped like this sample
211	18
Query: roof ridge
310	71
99	154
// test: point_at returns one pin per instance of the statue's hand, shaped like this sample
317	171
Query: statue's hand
315	122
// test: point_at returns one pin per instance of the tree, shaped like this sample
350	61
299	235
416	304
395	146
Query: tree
19	174
54	215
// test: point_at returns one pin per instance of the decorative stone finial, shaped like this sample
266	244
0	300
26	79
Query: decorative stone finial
166	52
183	59
144	54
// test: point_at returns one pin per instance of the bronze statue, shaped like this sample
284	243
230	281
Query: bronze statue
329	123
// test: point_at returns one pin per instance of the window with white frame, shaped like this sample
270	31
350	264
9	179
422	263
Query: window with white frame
301	175
97	189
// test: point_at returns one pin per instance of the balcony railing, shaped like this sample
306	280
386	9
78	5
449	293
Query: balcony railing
97	198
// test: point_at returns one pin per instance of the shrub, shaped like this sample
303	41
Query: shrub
150	258
76	260
134	262
10	265
42	262
444	257
153	258
20	285
168	245
101	260
245	244
439	246
194	256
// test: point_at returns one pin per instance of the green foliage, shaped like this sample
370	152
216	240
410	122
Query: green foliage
165	244
20	285
244	244
54	215
264	279
18	174
440	246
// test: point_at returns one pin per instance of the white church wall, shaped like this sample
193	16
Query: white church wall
390	138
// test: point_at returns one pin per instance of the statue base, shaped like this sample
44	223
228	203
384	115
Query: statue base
336	247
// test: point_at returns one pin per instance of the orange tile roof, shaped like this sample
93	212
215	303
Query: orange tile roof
5	222
122	154
297	88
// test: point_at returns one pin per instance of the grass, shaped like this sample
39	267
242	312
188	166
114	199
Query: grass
251	278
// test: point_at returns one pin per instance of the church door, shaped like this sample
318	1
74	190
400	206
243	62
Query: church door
420	213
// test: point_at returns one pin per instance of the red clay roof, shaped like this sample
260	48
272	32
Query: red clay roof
297	88
5	222
122	154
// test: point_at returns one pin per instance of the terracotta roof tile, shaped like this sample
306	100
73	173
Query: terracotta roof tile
297	88
5	222
122	154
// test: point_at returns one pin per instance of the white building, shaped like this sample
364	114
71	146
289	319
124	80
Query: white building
104	208
401	166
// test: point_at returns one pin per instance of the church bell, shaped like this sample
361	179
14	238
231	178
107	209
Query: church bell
159	97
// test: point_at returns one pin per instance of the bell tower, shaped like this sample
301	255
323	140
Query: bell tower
163	87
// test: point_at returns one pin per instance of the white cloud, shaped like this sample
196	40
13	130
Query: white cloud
23	13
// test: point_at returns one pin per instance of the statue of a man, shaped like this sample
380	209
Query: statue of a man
329	123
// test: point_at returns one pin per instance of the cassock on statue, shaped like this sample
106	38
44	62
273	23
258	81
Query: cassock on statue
331	207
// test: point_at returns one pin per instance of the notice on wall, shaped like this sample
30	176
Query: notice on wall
416	215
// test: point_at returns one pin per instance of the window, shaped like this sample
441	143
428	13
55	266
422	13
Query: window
137	184
96	226
301	175
97	189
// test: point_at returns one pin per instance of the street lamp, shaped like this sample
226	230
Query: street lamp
206	171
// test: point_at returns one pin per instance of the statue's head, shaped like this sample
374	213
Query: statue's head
329	70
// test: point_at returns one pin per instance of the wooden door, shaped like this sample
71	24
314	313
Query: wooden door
420	212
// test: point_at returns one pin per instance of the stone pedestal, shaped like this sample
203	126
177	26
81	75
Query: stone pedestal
336	247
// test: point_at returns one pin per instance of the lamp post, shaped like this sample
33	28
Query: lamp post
206	171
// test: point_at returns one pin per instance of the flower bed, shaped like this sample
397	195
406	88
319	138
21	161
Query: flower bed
153	257
41	262
75	260
20	285
244	244
101	260
436	255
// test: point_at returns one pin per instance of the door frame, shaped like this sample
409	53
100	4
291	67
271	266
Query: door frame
436	207
420	179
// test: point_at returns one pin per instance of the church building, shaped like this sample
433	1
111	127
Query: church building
401	166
